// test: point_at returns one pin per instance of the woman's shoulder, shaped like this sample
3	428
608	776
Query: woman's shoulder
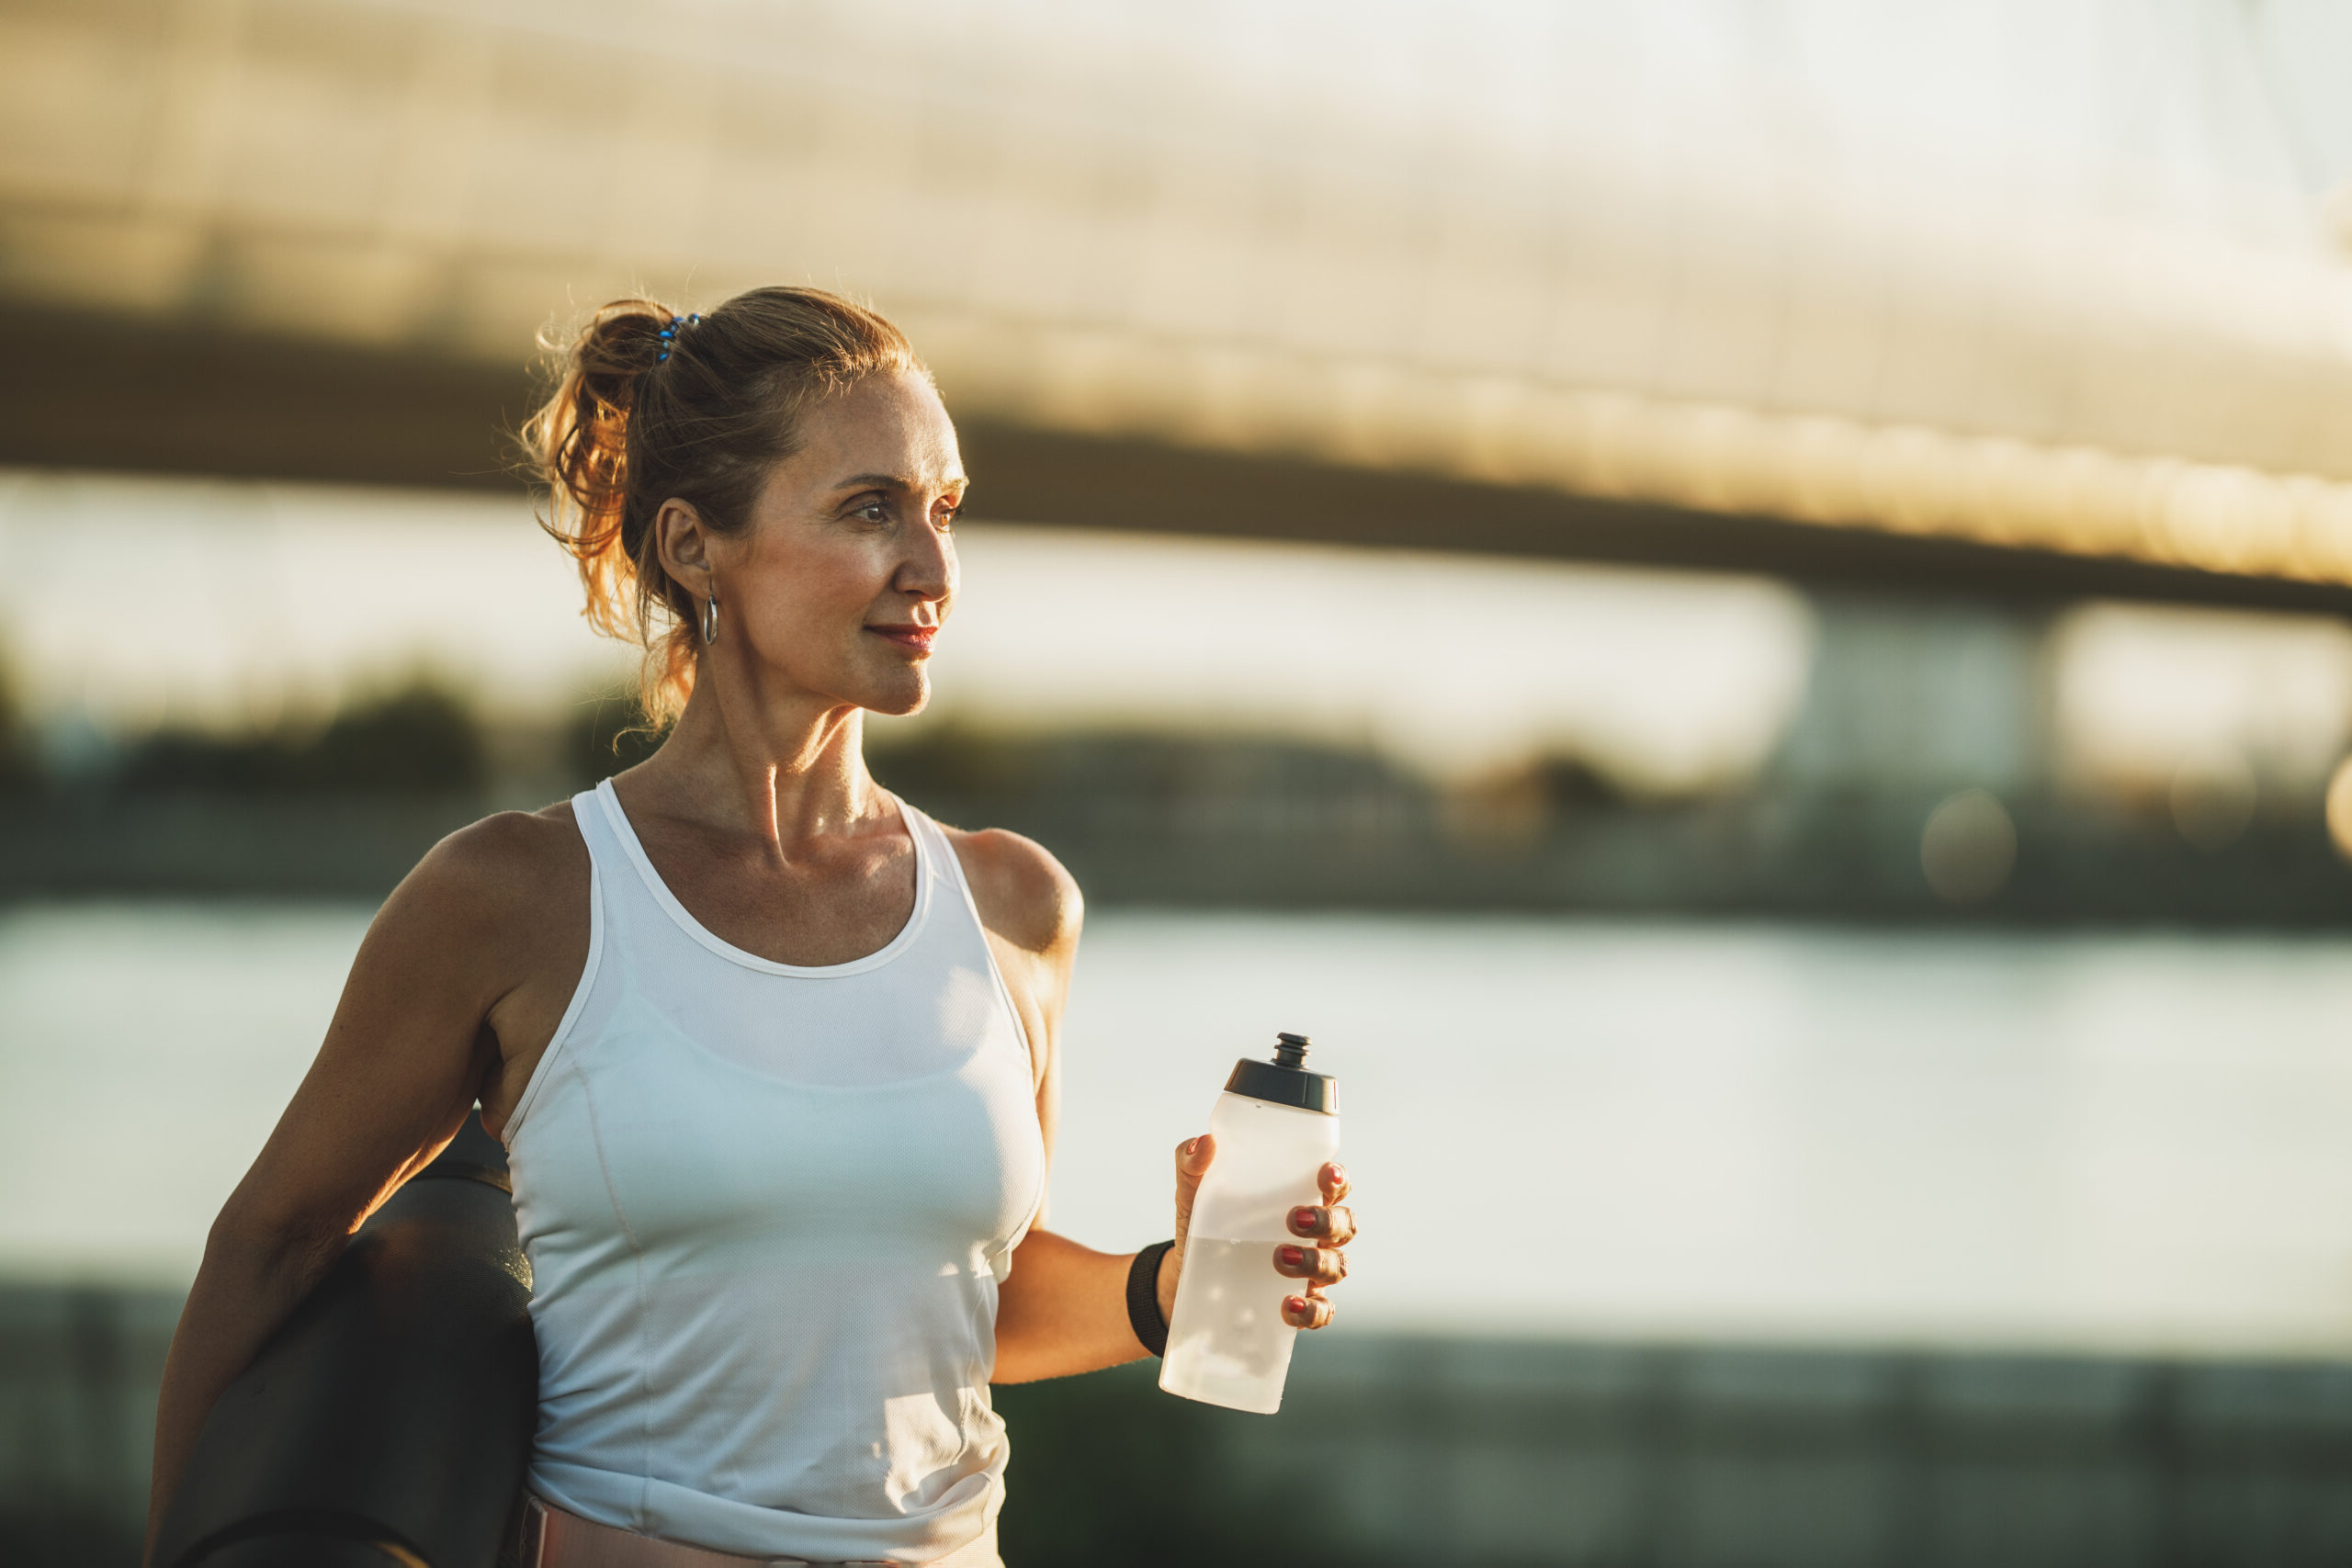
506	859
1024	894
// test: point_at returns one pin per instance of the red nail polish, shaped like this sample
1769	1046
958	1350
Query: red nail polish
1306	1219
1289	1258
1295	1304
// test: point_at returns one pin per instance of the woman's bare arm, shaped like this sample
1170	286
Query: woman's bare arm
411	1046
1063	1310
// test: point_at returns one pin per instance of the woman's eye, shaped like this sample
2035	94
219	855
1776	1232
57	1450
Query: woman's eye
947	515
873	512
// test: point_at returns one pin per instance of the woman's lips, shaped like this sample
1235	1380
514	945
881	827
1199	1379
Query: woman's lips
916	639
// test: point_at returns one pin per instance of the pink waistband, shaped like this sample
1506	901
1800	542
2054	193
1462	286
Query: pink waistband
553	1539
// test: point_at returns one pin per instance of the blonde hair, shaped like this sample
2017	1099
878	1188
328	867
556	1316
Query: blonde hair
651	405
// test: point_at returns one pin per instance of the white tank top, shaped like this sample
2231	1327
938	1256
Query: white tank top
767	1209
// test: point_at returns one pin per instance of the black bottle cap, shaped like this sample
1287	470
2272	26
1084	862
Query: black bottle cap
1285	1080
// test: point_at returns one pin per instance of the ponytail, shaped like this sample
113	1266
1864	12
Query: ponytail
650	406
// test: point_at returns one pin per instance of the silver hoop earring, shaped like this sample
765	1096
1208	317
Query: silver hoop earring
711	620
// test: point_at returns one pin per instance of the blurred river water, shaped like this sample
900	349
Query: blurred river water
1762	1132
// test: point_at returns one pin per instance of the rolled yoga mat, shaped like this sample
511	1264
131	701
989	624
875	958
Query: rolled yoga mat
389	1421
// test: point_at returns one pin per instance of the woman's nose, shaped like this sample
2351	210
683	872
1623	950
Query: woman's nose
929	569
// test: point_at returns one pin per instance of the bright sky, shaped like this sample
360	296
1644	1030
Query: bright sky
2205	108
129	601
2142	691
133	600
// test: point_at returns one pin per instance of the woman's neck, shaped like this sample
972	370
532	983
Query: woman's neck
782	772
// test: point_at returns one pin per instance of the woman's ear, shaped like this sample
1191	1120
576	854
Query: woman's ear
683	543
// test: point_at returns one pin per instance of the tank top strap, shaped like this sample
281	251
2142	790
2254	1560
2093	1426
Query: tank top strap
963	910
954	906
596	832
625	900
933	854
605	862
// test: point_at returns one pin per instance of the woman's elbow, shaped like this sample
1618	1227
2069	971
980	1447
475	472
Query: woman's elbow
269	1243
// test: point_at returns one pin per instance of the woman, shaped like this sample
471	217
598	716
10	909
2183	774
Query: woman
772	1053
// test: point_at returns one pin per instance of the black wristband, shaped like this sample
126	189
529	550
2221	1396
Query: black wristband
1143	1298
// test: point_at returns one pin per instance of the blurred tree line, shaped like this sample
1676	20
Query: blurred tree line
347	801
18	767
420	738
423	737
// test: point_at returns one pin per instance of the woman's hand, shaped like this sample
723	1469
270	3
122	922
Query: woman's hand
1329	1226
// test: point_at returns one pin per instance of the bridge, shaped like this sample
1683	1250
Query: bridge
1503	302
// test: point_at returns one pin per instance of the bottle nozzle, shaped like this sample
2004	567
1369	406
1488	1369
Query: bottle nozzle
1285	1080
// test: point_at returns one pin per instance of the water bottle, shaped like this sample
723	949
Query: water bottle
1276	1124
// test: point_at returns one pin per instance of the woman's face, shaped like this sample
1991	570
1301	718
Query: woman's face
847	569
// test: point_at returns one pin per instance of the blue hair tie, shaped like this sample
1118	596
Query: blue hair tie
668	334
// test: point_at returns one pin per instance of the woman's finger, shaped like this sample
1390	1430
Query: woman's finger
1323	1265
1193	1157
1333	1179
1307	1312
1337	1228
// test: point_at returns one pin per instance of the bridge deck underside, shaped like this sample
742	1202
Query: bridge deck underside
99	392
